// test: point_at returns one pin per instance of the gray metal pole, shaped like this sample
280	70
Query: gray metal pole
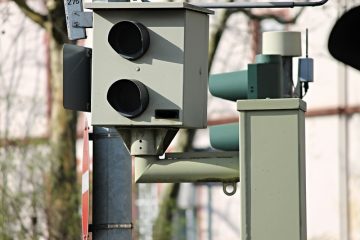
111	186
112	174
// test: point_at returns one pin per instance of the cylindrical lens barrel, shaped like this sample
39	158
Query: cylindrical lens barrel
129	97
129	39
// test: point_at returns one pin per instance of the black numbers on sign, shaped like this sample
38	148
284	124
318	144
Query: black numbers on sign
72	2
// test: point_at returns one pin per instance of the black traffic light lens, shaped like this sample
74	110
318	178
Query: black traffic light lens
129	39
344	39
129	97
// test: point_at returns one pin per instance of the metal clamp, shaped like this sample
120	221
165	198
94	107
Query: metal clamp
76	19
232	185
101	135
110	226
82	19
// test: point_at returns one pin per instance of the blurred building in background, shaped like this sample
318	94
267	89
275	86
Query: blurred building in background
206	213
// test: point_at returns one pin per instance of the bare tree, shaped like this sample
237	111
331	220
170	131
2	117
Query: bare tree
60	195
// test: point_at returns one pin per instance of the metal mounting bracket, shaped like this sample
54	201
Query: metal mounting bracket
110	226
239	5
82	20
76	19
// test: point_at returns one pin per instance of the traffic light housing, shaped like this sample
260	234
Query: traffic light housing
149	65
260	80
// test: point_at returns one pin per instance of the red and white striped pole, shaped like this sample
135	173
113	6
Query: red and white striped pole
85	184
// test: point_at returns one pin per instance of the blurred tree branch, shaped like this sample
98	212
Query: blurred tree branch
31	14
62	190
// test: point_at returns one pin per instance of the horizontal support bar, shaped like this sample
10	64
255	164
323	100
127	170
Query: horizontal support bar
259	4
188	167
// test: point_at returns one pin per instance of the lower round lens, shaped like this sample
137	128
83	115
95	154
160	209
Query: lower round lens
129	97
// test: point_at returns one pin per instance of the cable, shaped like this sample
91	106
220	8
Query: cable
306	88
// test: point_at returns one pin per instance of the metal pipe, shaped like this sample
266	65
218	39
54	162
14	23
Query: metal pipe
188	167
111	186
260	4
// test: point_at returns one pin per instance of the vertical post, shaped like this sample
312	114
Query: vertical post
344	203
344	156
112	190
272	165
111	186
190	213
209	210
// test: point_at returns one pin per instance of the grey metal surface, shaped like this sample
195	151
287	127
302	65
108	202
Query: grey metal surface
82	19
147	141
272	170
118	0
284	43
195	68
176	168
174	69
146	5
271	104
72	6
111	184
77	78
